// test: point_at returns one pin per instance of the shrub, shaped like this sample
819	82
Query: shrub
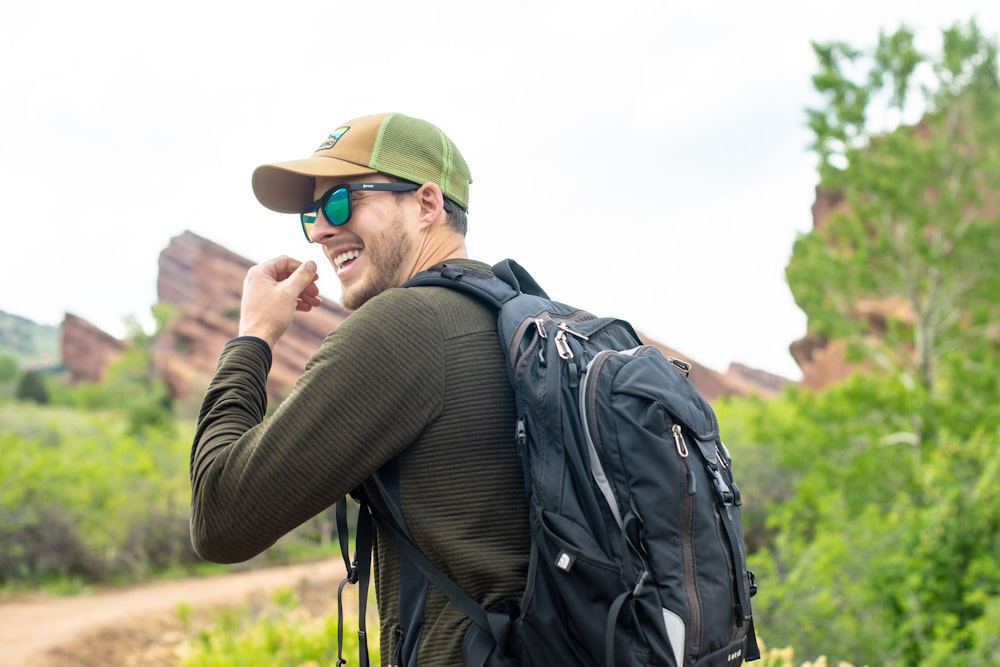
32	388
283	633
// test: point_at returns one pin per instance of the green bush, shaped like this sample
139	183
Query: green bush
98	495
81	496
871	516
32	388
284	631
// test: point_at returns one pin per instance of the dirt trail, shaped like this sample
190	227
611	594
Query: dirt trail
113	628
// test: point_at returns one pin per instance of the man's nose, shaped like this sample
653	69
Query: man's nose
322	230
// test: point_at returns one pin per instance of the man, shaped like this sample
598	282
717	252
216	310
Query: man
413	378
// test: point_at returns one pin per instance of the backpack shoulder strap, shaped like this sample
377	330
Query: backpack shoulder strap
496	625
387	482
509	280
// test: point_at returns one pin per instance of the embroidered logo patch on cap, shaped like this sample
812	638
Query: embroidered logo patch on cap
334	137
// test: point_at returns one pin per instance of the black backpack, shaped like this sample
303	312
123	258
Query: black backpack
637	545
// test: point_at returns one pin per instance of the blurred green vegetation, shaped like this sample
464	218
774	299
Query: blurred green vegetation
875	536
284	630
94	483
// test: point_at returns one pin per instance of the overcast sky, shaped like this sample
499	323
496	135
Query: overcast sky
643	159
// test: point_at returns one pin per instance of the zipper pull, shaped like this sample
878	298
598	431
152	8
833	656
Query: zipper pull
562	346
540	327
682	447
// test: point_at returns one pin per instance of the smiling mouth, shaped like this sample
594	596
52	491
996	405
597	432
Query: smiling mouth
344	259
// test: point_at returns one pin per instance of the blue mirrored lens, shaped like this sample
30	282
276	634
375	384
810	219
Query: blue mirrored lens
337	208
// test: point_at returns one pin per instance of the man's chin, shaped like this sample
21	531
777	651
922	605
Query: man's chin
355	296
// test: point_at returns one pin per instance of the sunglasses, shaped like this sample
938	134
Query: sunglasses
336	203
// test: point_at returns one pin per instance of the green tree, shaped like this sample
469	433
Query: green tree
32	388
918	228
870	554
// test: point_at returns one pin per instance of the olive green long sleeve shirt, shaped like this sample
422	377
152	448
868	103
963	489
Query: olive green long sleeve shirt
416	376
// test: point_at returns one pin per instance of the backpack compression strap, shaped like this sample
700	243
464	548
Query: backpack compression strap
727	500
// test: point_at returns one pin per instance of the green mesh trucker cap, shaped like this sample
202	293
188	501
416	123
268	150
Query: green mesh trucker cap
391	143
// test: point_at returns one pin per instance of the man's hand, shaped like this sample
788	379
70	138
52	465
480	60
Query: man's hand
272	292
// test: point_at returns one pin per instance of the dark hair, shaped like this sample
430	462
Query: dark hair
458	219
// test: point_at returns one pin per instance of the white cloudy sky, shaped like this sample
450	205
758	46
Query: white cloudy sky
643	159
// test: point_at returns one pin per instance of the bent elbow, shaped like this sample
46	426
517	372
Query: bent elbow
220	546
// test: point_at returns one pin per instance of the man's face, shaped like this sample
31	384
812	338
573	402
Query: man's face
372	251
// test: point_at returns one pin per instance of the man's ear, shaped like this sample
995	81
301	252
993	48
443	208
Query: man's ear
431	203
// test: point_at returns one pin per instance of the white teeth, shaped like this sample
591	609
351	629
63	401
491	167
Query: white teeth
344	257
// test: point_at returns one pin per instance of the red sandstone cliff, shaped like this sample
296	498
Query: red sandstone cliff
86	350
202	282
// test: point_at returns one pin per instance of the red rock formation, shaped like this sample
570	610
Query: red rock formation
203	281
821	360
85	350
743	380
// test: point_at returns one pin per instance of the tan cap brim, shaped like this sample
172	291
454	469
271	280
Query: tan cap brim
286	187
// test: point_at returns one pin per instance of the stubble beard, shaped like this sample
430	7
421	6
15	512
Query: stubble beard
384	259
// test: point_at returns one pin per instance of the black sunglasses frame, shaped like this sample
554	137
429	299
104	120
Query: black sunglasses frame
320	204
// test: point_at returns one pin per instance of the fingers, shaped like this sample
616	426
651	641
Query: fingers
308	296
272	292
279	269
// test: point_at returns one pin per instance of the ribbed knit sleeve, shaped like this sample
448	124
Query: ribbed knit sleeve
235	402
365	396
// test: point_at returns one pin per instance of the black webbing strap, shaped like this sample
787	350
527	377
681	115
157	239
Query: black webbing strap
395	524
727	504
496	625
358	572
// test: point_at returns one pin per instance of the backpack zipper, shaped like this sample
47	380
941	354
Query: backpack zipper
687	544
588	400
518	361
588	406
